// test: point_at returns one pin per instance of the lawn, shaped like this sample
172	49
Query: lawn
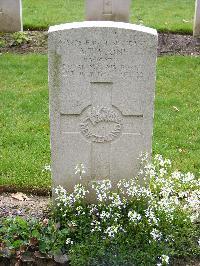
25	148
164	15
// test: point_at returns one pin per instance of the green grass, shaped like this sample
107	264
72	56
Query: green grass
164	15
177	119
25	132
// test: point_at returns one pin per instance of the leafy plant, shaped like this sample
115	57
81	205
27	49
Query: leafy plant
17	234
132	224
20	38
2	43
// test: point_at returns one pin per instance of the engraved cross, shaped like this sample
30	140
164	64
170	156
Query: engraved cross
106	130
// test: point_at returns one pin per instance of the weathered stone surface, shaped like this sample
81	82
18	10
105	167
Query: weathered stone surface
113	10
10	16
101	80
196	31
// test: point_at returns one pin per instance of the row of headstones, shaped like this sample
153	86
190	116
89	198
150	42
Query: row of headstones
11	13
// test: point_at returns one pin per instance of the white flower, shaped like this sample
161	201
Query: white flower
60	191
188	177
156	234
165	259
141	172
102	189
112	230
80	169
134	216
116	216
183	194
176	175
80	210
96	226
69	241
105	215
166	191
150	215
46	168
73	224
80	192
115	200
162	172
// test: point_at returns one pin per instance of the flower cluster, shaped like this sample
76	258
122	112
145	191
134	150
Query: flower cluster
134	216
80	170
164	260
147	205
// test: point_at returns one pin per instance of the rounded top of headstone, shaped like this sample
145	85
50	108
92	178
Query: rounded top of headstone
102	24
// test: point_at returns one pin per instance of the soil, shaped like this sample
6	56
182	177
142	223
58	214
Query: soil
36	42
176	44
26	42
19	204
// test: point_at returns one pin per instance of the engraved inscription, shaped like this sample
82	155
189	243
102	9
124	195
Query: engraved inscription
90	70
100	57
102	124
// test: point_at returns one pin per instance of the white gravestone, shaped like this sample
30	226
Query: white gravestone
10	16
101	80
114	10
196	31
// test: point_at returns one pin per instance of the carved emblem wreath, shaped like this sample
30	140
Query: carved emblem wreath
98	115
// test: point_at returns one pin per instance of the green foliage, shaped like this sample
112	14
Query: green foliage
17	234
164	15
20	38
133	225
2	43
14	232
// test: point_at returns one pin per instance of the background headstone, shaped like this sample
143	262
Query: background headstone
101	80
196	31
113	10
10	16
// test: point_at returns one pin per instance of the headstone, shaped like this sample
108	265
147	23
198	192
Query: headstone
101	80
113	10
10	16
196	31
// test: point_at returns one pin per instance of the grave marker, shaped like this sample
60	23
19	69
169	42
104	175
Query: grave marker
113	10
101	80
196	31
10	16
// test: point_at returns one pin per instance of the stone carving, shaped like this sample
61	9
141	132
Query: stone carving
102	124
101	79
